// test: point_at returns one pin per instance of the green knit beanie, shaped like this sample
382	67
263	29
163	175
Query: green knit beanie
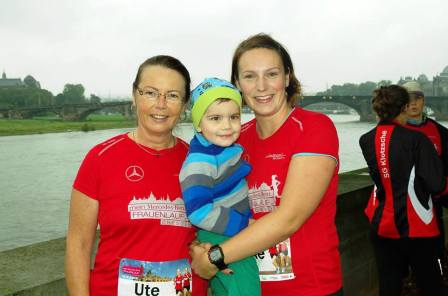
209	91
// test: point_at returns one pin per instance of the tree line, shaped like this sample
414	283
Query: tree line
365	88
31	95
353	89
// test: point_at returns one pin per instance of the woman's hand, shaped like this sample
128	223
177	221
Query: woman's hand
199	260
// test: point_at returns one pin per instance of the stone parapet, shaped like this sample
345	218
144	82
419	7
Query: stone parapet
38	269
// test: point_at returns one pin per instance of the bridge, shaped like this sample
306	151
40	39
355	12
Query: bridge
67	111
361	104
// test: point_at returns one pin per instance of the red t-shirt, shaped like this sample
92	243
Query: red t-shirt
311	266
186	280
178	282
144	230
429	128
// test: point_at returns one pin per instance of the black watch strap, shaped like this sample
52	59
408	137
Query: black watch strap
216	257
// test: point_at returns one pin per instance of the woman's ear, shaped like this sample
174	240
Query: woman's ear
184	107
134	103
237	84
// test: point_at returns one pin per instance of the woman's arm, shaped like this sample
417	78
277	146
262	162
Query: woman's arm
429	167
306	183
80	237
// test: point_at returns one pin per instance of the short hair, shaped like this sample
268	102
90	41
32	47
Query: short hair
389	101
167	62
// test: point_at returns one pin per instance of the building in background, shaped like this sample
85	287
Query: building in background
29	81
437	87
440	83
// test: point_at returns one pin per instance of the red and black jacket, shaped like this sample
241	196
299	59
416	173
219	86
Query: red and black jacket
438	135
406	171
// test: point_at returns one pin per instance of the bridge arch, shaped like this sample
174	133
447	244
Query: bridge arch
83	115
324	103
69	111
83	112
361	104
33	113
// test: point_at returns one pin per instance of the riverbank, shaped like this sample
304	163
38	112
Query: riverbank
43	125
11	127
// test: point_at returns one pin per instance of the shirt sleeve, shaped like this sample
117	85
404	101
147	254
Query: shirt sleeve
443	132
429	166
87	179
444	139
318	137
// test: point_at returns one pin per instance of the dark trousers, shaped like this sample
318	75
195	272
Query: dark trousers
395	256
441	238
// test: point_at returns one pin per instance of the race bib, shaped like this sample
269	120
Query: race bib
275	264
170	278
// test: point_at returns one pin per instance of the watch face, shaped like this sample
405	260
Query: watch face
215	255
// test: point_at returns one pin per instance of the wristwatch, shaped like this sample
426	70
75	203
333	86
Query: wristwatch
216	257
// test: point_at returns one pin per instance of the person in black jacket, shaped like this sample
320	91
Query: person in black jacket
419	121
438	135
408	174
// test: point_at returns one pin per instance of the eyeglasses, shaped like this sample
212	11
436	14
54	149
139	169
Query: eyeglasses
152	95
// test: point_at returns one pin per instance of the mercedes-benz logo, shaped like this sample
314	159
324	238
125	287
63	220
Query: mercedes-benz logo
134	173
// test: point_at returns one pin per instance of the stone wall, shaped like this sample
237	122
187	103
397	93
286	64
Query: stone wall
38	269
358	264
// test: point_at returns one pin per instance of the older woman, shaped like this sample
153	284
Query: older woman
407	172
293	185
128	185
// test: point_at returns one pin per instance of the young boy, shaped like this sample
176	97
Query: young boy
213	182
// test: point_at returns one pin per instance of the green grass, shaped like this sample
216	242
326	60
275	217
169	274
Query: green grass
41	125
53	124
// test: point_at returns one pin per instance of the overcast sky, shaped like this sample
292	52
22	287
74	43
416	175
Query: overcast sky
101	43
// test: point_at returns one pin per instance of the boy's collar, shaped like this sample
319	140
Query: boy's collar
412	121
202	139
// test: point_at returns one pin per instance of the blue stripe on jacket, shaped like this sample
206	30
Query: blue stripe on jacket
214	188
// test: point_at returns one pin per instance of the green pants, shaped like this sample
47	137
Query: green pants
244	281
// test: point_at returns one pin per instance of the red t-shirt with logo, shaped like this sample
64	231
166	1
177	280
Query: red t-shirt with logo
311	266
142	218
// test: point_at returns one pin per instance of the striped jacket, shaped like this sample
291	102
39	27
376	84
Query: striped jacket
214	187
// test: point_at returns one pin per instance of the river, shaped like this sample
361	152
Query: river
37	171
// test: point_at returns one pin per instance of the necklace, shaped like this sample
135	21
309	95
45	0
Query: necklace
158	154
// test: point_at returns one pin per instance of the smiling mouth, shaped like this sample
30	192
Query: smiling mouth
263	99
158	117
